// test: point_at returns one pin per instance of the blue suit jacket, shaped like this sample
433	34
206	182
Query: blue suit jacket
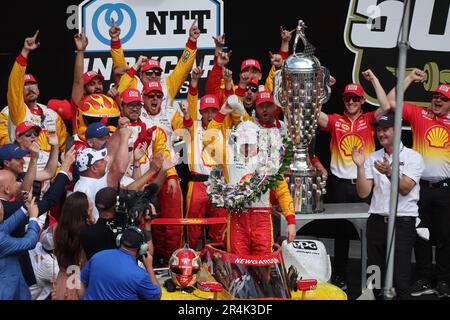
49	199
12	282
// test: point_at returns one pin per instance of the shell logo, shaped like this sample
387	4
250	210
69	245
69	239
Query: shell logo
348	142
208	155
437	137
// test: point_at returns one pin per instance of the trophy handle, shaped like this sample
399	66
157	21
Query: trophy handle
326	87
277	88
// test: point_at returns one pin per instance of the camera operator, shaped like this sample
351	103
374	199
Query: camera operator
101	235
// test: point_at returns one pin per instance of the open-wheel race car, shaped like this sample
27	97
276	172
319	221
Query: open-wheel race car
214	274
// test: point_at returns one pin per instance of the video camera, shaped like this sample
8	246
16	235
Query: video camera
132	205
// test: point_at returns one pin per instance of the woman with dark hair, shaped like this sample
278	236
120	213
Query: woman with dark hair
75	216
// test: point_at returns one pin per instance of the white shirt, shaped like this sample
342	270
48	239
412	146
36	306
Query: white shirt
90	186
45	267
411	165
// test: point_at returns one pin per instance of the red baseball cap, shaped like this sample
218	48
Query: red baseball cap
254	81
443	89
131	95
209	101
29	78
250	63
152	86
61	107
25	126
354	88
151	64
263	96
88	76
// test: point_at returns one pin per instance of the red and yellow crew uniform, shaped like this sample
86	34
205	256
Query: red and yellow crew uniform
171	84
250	231
202	158
346	134
18	112
431	138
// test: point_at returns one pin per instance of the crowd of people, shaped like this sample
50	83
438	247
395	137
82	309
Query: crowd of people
64	164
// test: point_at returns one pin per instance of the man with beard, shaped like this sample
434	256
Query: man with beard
351	129
431	132
84	84
22	96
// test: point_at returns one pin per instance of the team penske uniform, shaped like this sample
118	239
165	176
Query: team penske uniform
431	138
171	84
250	231
201	159
17	111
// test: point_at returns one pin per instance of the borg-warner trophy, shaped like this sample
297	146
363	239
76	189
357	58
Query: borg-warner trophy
300	88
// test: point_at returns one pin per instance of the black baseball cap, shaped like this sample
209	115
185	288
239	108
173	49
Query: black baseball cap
385	121
131	238
106	198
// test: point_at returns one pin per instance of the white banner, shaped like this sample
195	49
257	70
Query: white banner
150	24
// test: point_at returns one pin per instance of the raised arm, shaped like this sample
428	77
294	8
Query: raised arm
177	77
415	75
16	82
379	91
81	43
30	176
363	185
52	163
120	160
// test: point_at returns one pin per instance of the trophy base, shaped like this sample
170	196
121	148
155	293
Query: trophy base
307	190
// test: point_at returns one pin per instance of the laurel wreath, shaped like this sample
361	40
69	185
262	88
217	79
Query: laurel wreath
236	197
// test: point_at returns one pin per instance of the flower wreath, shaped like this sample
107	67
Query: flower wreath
236	197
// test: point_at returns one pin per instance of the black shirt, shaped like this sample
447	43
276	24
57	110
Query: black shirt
98	237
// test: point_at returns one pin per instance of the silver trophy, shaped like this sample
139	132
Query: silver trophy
300	88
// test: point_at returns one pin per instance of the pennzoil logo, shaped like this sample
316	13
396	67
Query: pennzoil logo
437	137
349	141
372	31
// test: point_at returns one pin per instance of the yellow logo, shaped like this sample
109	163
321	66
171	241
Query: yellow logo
345	127
348	142
437	137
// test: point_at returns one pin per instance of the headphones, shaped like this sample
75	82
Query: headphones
143	247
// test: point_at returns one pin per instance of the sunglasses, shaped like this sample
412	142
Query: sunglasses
441	97
154	95
156	72
349	98
31	86
252	89
29	133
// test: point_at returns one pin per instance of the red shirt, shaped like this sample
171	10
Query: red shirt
345	134
431	138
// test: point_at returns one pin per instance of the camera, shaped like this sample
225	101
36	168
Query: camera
132	205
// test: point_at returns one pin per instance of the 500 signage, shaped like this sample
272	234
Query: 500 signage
158	29
372	31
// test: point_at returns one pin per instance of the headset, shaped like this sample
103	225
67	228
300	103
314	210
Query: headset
143	247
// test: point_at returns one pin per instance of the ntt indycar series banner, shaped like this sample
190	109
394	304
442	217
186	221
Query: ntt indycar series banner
154	28
372	31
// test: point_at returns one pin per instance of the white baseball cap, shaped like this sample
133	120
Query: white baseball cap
88	156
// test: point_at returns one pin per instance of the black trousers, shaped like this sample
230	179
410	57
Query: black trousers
405	235
434	211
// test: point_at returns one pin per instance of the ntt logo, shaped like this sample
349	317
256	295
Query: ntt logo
104	13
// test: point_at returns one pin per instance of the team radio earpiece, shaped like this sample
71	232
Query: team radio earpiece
143	247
